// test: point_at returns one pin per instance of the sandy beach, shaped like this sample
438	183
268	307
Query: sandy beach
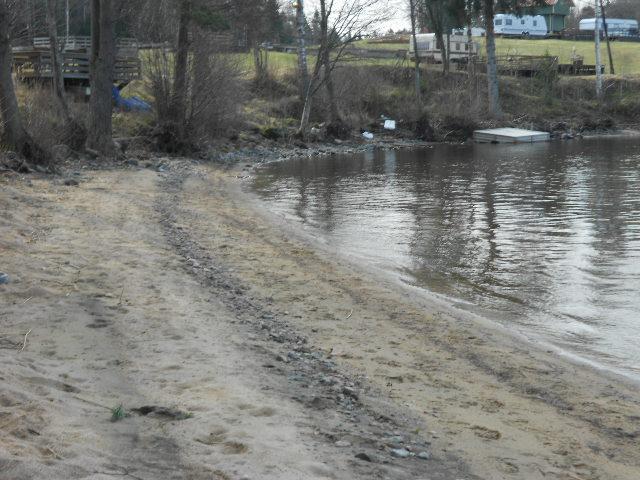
238	349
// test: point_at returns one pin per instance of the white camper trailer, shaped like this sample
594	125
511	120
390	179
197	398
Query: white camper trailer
428	47
475	32
617	27
512	25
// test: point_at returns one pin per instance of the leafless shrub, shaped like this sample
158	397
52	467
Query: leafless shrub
45	123
215	92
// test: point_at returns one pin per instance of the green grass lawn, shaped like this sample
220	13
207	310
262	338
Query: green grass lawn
626	55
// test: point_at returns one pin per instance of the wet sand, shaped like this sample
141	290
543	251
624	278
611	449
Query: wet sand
174	289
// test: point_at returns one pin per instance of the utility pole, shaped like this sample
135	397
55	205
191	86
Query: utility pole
598	53
612	71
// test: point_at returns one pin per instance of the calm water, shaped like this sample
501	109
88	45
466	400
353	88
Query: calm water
543	238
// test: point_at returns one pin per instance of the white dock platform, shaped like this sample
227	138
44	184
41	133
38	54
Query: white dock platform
510	135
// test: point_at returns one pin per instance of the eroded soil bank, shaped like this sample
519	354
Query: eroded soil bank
169	288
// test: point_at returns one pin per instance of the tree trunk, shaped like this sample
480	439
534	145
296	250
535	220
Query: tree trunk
492	66
612	70
434	12
201	73
56	62
260	59
334	114
179	94
416	60
103	51
14	133
306	114
447	62
302	51
470	66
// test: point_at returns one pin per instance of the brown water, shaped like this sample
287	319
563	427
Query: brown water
542	238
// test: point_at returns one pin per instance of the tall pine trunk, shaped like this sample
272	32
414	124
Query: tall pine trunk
492	65
103	53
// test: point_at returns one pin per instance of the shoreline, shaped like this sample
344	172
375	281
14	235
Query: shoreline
498	344
280	352
429	299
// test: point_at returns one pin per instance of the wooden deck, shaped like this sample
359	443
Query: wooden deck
33	63
510	135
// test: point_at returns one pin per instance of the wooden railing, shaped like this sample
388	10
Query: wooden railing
36	64
81	43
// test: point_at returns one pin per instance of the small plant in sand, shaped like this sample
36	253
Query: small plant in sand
118	413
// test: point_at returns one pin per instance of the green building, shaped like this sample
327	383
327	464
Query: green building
555	12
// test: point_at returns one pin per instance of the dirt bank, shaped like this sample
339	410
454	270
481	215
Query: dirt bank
140	287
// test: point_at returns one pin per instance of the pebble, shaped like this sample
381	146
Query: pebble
343	443
350	392
70	182
424	455
4	278
400	453
328	381
293	356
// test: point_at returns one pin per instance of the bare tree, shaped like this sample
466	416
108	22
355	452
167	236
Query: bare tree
435	13
612	69
340	27
56	61
15	135
303	68
413	12
178	105
492	66
103	54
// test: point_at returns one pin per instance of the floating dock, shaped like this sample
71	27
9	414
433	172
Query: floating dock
510	135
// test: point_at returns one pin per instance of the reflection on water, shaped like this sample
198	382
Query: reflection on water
544	237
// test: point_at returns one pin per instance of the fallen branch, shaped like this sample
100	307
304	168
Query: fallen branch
349	316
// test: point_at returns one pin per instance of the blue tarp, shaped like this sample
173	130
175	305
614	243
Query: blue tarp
130	104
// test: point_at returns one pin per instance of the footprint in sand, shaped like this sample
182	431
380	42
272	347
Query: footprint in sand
492	405
218	435
486	433
264	412
234	448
